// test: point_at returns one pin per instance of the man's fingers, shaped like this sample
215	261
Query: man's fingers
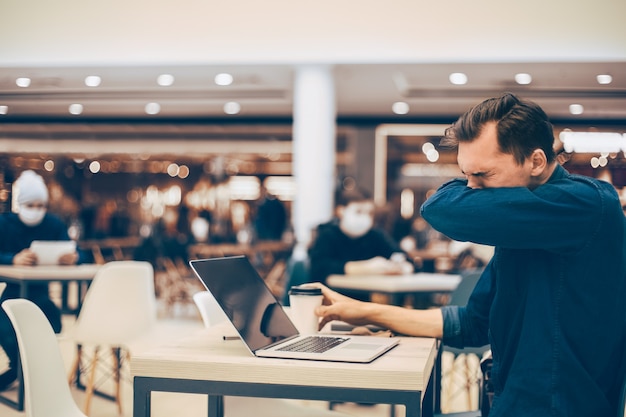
325	312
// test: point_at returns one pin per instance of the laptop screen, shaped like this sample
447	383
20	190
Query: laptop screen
246	300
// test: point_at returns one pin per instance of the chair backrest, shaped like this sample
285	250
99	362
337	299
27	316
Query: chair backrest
298	272
209	309
460	296
119	306
46	391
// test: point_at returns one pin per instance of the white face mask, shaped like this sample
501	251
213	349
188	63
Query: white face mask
356	224
31	216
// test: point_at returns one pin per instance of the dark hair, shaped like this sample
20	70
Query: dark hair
522	126
355	195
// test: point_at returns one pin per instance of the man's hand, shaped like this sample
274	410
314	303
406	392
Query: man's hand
25	257
68	258
401	320
339	307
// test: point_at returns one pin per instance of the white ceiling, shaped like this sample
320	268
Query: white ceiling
362	90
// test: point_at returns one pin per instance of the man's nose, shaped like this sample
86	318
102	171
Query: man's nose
473	183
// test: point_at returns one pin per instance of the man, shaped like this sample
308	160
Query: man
551	300
17	231
350	244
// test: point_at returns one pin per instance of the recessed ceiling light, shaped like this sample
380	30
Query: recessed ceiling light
458	78
223	79
576	109
232	107
604	79
22	82
92	81
523	79
400	107
165	80
153	108
76	108
4	109
94	167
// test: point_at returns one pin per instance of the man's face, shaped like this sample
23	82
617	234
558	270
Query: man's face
485	166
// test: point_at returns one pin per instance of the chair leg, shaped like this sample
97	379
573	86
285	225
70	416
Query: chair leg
115	353
74	374
92	381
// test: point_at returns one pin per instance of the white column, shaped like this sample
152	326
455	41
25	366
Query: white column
314	132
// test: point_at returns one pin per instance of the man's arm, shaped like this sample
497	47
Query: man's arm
426	323
558	215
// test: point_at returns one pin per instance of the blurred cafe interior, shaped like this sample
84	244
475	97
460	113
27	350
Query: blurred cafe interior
138	132
168	132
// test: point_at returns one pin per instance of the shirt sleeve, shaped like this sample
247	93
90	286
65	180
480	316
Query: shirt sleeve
468	325
559	215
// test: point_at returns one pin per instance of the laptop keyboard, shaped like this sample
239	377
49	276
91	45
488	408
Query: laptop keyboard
314	344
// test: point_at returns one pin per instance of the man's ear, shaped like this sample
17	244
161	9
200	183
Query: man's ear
339	211
539	162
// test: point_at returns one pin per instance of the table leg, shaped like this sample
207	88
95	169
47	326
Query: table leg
216	406
141	398
428	399
414	409
64	297
23	289
79	295
436	376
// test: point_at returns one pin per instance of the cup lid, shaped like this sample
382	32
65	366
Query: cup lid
303	290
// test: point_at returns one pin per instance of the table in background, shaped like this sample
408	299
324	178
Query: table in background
111	249
263	254
395	286
25	276
204	363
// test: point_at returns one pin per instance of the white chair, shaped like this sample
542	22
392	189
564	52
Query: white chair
46	392
212	314
209	309
119	308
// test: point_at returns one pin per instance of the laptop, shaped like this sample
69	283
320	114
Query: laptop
263	324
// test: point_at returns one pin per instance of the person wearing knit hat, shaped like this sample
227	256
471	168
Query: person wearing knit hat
30	187
29	221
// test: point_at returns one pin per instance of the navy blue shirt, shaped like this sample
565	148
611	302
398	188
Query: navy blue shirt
552	301
15	236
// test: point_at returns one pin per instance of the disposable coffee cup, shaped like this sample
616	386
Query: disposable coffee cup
303	301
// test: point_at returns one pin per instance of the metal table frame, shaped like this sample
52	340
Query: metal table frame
144	386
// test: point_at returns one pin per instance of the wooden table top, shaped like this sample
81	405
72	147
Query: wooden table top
205	355
49	272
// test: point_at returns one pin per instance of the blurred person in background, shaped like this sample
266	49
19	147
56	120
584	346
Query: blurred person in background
270	216
350	244
18	230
